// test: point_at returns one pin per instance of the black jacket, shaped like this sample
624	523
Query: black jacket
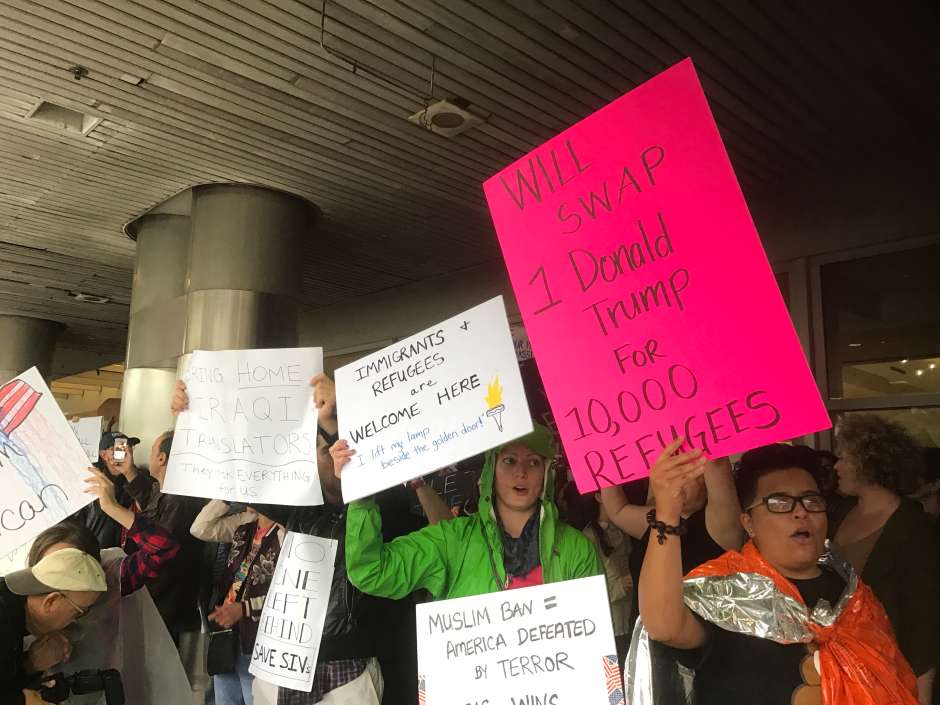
359	625
13	676
175	592
105	529
903	571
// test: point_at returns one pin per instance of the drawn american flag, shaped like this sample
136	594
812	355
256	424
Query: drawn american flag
17	400
614	681
421	688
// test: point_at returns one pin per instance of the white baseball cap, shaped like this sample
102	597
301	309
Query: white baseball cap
65	570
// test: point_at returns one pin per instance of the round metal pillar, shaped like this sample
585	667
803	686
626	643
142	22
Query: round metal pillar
155	328
27	342
245	267
158	299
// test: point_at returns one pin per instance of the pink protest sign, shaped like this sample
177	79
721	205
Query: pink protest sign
649	302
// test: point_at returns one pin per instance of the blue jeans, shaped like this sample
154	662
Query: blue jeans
234	688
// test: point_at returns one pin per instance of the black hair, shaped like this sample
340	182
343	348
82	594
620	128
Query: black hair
764	460
583	510
167	443
828	479
72	532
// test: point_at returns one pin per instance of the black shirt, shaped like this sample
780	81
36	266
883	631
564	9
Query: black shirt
359	625
13	674
697	547
105	529
903	570
737	669
175	591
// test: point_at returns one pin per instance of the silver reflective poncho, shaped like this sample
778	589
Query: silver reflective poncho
746	603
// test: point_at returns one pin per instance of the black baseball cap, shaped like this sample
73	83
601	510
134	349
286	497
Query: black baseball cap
108	438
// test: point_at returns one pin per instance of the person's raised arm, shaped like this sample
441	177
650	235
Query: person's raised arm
180	401
629	518
664	613
434	506
395	569
100	486
723	511
324	400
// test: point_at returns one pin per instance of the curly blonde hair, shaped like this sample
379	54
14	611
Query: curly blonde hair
885	453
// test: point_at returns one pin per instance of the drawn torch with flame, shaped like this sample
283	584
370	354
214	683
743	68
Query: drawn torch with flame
494	402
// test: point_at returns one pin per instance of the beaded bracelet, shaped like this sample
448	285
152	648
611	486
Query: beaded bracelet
662	528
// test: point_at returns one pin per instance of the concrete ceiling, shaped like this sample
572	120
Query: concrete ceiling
191	91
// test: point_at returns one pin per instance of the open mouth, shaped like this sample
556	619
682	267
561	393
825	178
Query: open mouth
520	490
802	536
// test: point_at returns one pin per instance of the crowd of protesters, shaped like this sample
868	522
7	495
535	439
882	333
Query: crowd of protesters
792	576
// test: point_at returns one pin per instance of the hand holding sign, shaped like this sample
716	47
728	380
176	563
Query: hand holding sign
670	476
324	394
180	401
341	454
291	625
246	428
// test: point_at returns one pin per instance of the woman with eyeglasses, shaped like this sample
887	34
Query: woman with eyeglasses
779	623
887	537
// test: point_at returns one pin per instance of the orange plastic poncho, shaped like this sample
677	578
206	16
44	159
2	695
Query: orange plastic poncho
860	661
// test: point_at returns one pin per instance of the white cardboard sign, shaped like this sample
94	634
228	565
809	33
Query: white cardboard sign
551	644
425	402
285	651
250	433
88	433
41	462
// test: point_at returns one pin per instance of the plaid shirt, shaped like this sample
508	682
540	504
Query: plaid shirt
329	676
155	546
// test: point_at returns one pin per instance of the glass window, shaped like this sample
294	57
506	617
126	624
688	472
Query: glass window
881	317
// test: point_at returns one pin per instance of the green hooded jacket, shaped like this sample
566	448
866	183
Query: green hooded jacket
462	556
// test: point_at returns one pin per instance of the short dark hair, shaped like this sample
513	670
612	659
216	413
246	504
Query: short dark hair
70	531
764	460
167	443
886	454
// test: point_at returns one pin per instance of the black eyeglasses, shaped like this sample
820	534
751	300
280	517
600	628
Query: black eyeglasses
780	503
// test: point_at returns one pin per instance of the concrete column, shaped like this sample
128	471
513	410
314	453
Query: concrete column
245	267
26	342
226	276
156	325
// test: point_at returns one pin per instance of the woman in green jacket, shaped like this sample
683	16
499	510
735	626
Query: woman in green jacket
515	540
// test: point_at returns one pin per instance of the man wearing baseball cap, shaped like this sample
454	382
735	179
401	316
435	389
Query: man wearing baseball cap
105	529
41	600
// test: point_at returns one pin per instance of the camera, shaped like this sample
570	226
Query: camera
120	449
83	683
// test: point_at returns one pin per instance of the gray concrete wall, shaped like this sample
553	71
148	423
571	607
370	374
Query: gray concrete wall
826	215
366	323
